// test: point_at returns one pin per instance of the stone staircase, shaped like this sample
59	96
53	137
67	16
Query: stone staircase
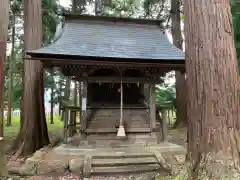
121	162
100	159
107	121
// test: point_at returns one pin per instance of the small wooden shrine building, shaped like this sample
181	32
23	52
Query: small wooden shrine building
119	61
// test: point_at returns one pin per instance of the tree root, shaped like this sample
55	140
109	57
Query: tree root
164	165
18	153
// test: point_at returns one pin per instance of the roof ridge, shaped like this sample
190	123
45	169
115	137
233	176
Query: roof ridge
71	16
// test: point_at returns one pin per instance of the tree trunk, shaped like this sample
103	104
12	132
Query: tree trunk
60	99
4	20
52	104
212	80
181	111
98	7
4	10
34	124
11	71
74	6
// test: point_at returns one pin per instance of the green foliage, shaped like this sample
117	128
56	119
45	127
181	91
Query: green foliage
235	5
157	9
123	8
166	93
166	96
50	21
53	79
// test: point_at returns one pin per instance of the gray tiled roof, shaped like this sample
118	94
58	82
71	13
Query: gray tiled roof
98	39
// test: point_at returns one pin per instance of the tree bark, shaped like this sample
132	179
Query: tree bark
11	70
99	7
181	111
52	104
4	20
212	80
34	124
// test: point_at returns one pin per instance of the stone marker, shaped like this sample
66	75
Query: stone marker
29	168
59	166
87	168
76	166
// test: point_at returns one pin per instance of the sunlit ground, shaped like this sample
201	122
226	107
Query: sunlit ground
12	131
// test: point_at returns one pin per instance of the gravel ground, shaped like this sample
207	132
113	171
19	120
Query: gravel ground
144	176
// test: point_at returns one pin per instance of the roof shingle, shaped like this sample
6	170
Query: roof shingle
112	40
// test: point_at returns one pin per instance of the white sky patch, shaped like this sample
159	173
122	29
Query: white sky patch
65	3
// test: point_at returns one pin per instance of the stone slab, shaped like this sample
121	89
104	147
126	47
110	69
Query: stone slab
126	169
123	161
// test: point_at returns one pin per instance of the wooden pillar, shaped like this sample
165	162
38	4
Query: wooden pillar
83	119
80	103
72	123
66	123
152	106
164	124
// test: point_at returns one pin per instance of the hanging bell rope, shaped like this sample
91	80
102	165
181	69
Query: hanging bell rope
121	130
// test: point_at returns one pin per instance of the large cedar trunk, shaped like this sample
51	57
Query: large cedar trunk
34	124
180	77
4	9
212	79
11	71
4	19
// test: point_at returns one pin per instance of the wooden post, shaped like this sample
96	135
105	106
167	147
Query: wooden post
66	122
72	122
83	119
121	130
164	124
152	107
80	104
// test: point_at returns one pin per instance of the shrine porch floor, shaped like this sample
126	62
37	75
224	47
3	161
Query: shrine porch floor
103	147
110	142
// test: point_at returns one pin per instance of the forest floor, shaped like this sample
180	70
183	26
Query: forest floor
176	136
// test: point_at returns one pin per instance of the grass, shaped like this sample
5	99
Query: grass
12	131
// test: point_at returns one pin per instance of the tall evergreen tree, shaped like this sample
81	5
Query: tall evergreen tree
4	20
212	81
181	114
34	122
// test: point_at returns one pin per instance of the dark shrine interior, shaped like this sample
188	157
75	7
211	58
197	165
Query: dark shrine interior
108	94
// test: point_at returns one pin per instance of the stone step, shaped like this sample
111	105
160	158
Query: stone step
113	120
123	162
125	113
111	130
108	125
113	137
116	119
126	169
121	154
